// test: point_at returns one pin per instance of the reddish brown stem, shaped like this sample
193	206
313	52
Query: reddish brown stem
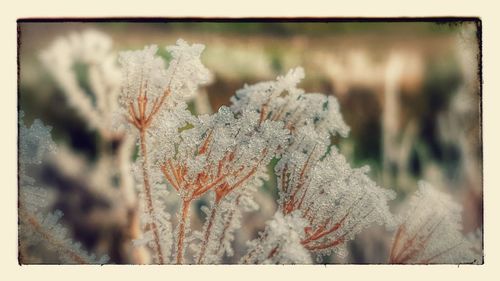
141	120
149	199
322	232
157	106
206	188
327	245
169	178
273	252
182	231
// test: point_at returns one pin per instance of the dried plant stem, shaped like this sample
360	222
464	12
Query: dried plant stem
149	199
182	231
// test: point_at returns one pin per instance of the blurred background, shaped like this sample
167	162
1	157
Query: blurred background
410	91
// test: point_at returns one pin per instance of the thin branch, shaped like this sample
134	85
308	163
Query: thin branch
182	231
149	200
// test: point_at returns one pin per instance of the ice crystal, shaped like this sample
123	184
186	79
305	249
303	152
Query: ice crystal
431	231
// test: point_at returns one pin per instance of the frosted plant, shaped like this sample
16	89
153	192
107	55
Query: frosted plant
223	159
315	182
36	226
430	231
220	153
334	200
147	87
337	200
84	67
89	52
